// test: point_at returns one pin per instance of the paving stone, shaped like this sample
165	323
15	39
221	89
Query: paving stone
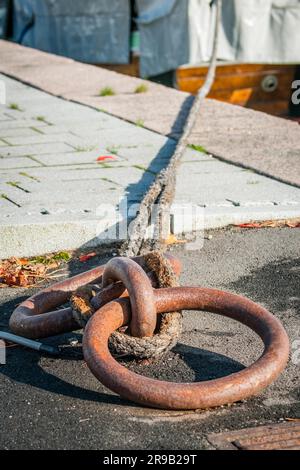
4	117
20	132
193	156
146	152
233	185
131	136
104	122
77	158
21	162
84	129
9	125
64	199
210	166
131	175
38	138
64	173
37	149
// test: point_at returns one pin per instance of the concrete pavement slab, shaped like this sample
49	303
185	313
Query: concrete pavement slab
16	163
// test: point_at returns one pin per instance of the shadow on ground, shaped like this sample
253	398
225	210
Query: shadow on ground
277	282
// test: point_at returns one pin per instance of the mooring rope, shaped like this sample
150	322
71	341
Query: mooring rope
161	192
162	189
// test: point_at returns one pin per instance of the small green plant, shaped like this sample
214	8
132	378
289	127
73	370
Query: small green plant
107	91
14	106
104	165
16	184
49	259
41	118
26	175
140	123
198	148
85	149
4	196
62	256
142	88
113	149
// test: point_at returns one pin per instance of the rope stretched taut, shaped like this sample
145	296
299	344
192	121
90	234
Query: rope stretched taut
162	190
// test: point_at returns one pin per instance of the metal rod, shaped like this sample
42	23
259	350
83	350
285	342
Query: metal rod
29	343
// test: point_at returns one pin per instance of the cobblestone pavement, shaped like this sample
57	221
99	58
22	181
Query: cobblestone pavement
55	194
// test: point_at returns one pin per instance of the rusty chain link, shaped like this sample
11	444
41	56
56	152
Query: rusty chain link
207	394
168	327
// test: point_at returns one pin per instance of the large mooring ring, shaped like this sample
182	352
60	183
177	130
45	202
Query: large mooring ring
206	394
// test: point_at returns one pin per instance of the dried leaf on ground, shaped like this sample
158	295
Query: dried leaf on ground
15	272
22	272
84	258
102	158
292	223
172	240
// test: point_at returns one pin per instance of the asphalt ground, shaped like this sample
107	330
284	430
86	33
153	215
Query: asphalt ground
56	403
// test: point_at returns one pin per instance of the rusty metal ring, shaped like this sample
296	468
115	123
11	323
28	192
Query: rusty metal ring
161	394
138	285
35	318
